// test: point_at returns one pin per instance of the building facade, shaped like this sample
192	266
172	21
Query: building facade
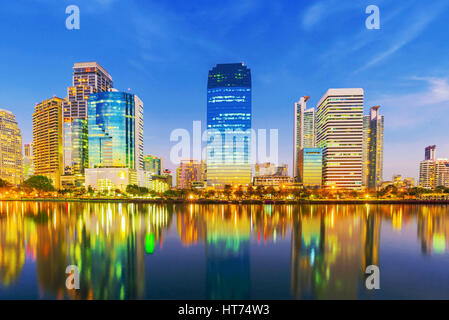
187	173
115	132
88	78
27	163
47	140
310	164
228	125
10	148
270	169
304	132
339	128
373	146
152	164
433	172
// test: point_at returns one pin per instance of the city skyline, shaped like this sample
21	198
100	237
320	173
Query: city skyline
413	100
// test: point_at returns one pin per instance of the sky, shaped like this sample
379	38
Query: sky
162	51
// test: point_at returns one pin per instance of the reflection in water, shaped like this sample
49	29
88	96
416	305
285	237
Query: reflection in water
326	247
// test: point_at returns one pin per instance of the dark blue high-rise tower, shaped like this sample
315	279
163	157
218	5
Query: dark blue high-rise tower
229	125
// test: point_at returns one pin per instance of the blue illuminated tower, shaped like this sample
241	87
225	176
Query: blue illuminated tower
229	125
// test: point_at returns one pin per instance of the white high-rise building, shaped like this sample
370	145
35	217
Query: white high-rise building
433	172
304	131
339	132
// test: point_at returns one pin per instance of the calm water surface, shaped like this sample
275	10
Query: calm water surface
152	251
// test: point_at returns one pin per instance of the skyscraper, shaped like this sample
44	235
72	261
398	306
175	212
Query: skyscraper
433	172
152	164
430	153
339	127
88	78
373	145
10	148
228	125
187	173
304	132
115	138
28	167
310	164
47	139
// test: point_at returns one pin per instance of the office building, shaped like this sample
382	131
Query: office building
27	163
373	145
228	125
433	172
430	153
270	169
10	148
272	181
304	132
152	164
187	173
115	133
47	139
88	78
310	167
339	133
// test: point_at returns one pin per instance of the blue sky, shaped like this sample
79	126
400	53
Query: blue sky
162	51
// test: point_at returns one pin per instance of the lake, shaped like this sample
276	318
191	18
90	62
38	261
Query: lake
191	251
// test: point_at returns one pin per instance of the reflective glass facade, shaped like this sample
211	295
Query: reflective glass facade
311	163
152	164
229	124
113	136
88	77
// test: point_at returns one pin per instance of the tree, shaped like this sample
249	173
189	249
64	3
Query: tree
135	190
40	183
227	190
260	191
271	191
239	192
210	193
250	191
4	184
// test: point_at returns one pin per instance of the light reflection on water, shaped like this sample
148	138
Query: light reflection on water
153	251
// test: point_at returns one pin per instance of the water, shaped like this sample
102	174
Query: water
153	251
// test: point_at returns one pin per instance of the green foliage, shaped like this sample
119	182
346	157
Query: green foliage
40	183
135	190
4	184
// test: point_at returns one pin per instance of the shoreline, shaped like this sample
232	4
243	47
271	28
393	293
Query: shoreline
239	202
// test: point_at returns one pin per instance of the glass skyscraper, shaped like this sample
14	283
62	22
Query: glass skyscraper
304	133
88	77
229	125
152	164
310	164
373	147
115	126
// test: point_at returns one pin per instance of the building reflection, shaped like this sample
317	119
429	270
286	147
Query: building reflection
113	244
433	230
331	247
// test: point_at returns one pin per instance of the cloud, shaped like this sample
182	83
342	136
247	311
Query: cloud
437	93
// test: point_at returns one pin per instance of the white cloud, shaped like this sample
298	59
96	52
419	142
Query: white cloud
437	93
